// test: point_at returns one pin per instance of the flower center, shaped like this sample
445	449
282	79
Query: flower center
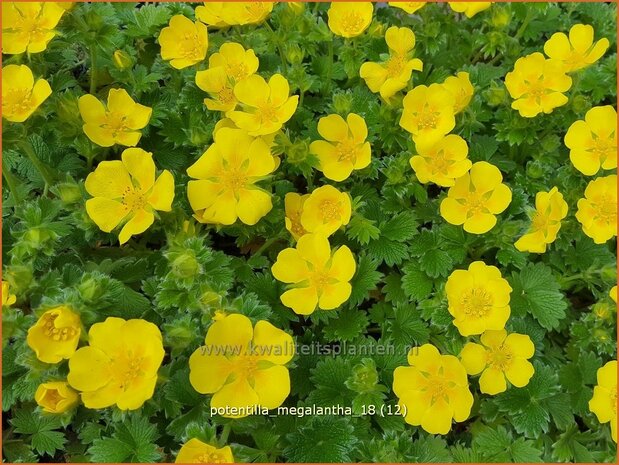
233	179
19	101
57	334
247	365
475	204
209	457
438	387
225	95
129	367
51	398
606	209
440	163
537	89
267	113
427	119
115	122
352	22
395	65
255	11
190	47
603	148
330	211
320	279
346	151
295	224
133	199
477	303
236	71
613	400
500	358
540	222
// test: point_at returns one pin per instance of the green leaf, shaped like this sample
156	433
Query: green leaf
362	230
416	284
322	439
350	324
132	441
365	280
536	291
48	442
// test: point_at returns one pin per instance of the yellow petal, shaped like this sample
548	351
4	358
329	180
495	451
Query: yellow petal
333	128
91	110
208	372
438	418
140	222
252	205
88	369
315	249
140	166
473	358
343	264
106	213
162	193
290	267
235	332
302	300
519	372
272	385
272	343
334	295
492	381
236	395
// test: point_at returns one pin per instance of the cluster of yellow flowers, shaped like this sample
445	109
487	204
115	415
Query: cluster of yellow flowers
537	83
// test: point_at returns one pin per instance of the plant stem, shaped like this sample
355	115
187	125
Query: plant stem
278	42
329	67
10	181
525	23
93	69
223	439
265	246
38	164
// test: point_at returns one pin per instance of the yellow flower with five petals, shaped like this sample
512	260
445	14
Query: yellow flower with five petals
550	209
597	211
604	401
475	199
393	75
428	113
433	391
349	19
461	88
442	162
242	366
196	451
21	96
478	299
28	26
536	84
120	364
184	42
264	107
578	51
56	397
319	278
325	210
119	123
226	68
499	356
226	175
127	192
593	141
345	148
55	335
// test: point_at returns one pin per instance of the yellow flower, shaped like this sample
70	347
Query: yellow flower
613	293
222	14
126	192
499	356
56	397
393	75
409	7
428	113
243	367
184	42
345	148
550	209
461	88
326	210
293	203
442	162
604	401
578	51
469	9
349	19
537	84
320	278
120	364
265	107
225	69
478	299
119	123
21	96
55	335
597	212
433	390
593	142
28	26
476	198
227	173
8	299
196	451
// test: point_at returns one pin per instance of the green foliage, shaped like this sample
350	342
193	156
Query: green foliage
179	274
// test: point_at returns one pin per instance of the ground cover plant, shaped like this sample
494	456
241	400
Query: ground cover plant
309	232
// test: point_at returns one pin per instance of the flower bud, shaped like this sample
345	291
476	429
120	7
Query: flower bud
602	310
294	54
55	335
580	104
501	17
185	265
535	170
68	192
122	60
296	7
56	397
342	103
